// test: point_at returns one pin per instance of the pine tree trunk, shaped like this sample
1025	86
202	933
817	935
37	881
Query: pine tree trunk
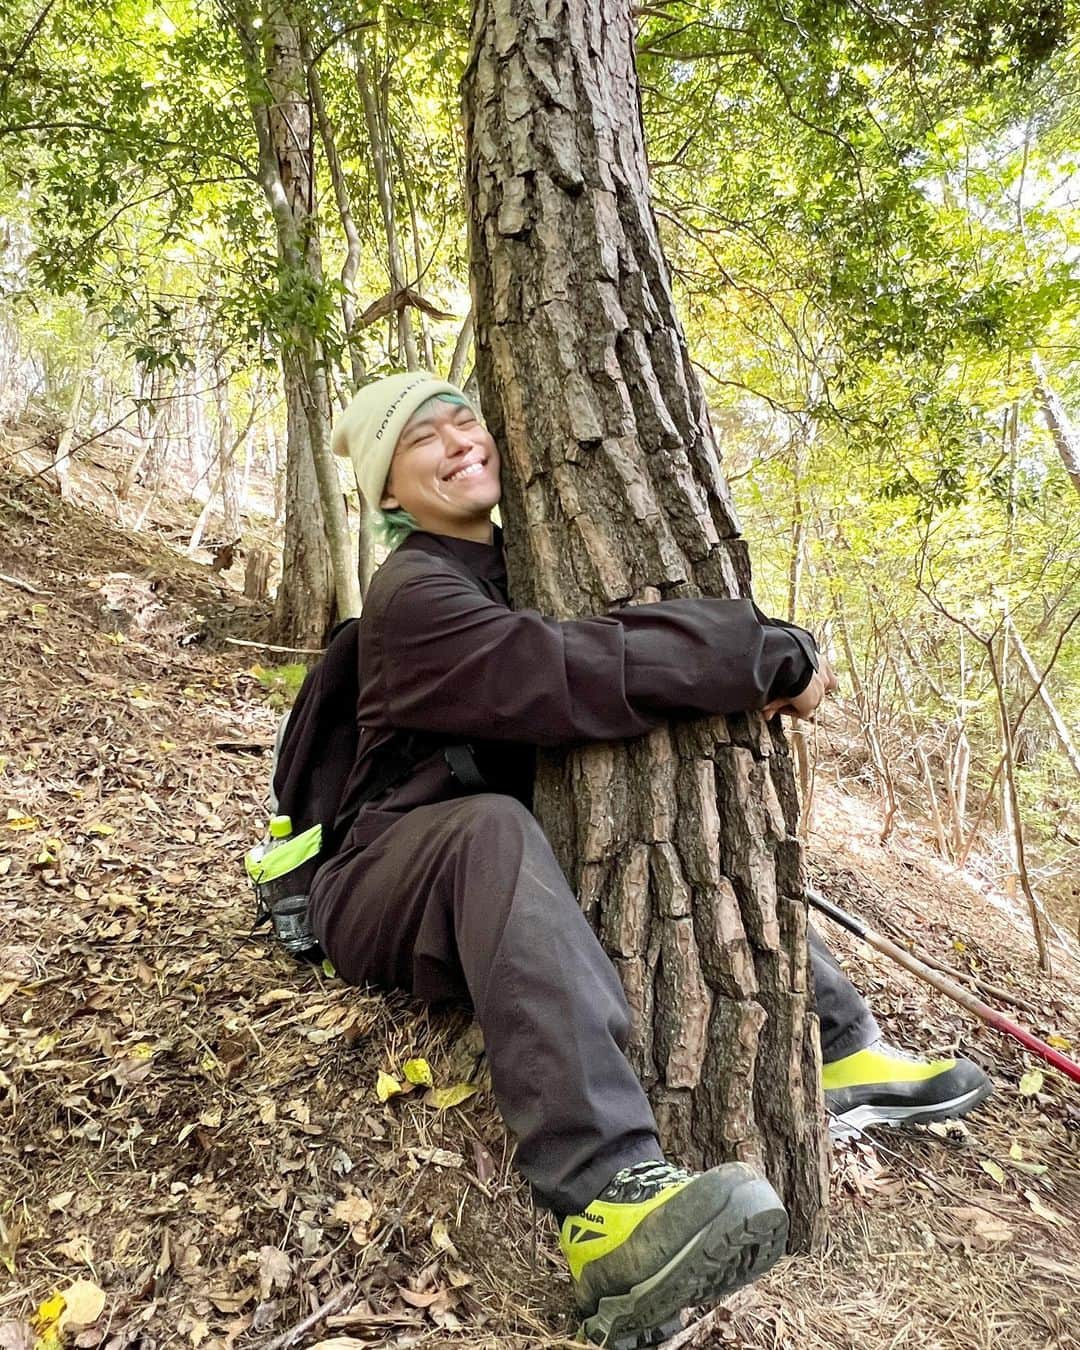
681	845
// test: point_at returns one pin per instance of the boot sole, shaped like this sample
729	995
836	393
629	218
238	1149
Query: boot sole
741	1243
848	1124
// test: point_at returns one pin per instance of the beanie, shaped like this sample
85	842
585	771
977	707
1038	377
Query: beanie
368	430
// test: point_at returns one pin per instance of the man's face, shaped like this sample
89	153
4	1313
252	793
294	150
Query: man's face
445	470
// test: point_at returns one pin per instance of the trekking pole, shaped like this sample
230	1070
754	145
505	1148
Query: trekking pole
982	1010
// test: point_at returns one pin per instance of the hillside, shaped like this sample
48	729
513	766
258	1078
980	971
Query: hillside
190	1121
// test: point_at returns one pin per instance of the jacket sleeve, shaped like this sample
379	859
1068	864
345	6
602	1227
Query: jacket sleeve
456	662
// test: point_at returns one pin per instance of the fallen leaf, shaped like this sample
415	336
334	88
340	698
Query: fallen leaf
418	1071
441	1240
1059	1042
79	1249
992	1169
982	1223
444	1098
17	821
16	1336
275	1268
1031	1083
386	1086
84	1303
421	1300
352	1210
1039	1209
100	827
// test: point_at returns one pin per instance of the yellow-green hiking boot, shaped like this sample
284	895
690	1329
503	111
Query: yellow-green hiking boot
658	1239
881	1085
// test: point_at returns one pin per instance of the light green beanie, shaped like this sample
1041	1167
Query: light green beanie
368	430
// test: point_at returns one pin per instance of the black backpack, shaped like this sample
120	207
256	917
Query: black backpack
314	755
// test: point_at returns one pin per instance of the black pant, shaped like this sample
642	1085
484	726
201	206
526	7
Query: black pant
464	899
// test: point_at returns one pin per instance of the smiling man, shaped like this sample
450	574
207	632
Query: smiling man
446	887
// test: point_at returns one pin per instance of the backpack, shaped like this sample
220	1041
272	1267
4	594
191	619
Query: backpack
314	754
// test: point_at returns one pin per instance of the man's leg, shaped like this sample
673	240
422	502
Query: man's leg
867	1081
847	1024
465	899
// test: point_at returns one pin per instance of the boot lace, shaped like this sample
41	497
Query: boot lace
641	1181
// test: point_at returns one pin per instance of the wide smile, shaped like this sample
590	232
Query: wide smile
472	470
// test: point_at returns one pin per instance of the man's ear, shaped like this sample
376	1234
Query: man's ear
389	502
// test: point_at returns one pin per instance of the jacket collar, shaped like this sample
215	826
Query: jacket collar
485	561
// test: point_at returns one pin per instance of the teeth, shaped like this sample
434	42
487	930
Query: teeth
470	472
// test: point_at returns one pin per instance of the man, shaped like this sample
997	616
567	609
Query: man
448	891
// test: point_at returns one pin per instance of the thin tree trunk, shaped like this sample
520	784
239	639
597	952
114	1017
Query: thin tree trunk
921	759
462	347
353	248
681	845
316	526
227	446
1039	681
1013	820
878	758
62	455
376	139
1058	422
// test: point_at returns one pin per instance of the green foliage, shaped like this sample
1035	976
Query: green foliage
282	683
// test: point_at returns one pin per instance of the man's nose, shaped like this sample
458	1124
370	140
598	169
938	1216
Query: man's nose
456	439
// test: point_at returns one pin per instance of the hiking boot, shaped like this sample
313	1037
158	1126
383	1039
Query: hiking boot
884	1086
658	1239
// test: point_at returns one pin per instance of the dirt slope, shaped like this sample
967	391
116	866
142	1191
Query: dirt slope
190	1122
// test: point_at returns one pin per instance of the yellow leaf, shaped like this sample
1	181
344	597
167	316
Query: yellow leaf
443	1098
992	1169
50	1311
386	1086
1031	1083
99	827
167	746
1016	1152
1059	1042
418	1071
84	1304
17	821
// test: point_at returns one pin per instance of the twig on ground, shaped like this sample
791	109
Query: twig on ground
286	1339
270	647
22	585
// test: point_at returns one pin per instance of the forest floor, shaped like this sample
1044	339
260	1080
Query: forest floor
191	1134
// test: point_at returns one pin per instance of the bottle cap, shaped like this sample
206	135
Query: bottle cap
280	827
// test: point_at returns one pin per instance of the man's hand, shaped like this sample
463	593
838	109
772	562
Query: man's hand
822	682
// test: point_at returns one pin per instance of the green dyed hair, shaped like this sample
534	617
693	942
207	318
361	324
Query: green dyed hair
391	527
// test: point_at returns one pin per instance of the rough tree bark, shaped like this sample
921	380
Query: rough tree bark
681	845
317	563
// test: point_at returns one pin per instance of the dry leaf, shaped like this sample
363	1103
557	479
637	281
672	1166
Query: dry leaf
16	1336
1039	1209
386	1086
992	1169
421	1300
444	1098
84	1303
441	1240
352	1210
1031	1083
275	1268
982	1223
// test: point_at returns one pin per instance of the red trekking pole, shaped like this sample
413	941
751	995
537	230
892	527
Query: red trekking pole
982	1010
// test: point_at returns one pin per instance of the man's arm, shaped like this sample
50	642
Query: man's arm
456	662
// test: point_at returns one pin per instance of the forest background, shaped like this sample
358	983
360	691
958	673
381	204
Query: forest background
218	219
